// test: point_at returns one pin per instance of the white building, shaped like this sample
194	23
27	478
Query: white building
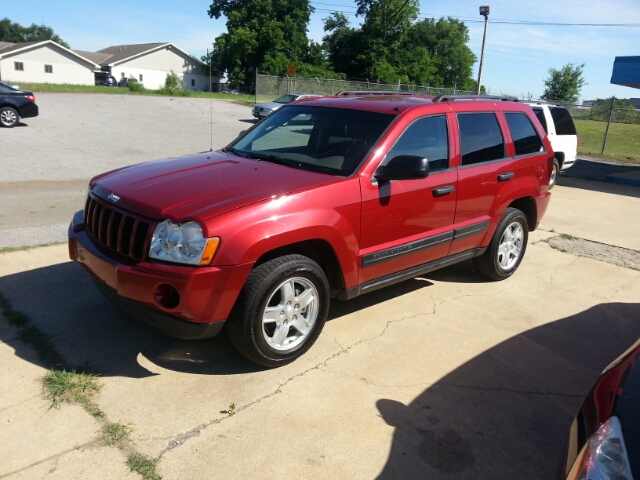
44	62
151	62
48	62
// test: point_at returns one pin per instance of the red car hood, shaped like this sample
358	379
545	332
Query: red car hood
199	186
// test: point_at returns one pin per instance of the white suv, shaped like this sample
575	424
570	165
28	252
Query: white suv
558	124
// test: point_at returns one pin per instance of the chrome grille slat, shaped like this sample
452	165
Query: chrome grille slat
117	230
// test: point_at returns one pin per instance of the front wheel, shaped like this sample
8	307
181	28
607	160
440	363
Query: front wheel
281	311
507	247
8	117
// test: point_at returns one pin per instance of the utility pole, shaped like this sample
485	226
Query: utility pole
484	11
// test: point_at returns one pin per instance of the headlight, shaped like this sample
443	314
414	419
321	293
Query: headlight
182	243
604	457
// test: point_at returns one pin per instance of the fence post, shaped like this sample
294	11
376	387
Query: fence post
606	133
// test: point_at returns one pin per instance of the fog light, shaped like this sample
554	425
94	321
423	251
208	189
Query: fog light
167	296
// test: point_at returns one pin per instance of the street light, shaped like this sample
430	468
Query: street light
484	11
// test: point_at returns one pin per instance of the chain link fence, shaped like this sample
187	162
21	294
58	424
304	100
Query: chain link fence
269	88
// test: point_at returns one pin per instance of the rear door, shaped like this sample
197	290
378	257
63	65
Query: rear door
487	179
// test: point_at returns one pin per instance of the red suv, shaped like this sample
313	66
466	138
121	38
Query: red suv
329	197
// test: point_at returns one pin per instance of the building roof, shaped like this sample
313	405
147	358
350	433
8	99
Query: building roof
626	72
6	47
120	53
93	56
12	48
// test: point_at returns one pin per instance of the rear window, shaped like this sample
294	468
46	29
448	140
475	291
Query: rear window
540	114
480	138
563	121
525	138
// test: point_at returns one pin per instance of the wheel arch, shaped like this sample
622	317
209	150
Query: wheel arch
527	205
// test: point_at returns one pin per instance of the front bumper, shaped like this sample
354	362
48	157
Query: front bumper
201	298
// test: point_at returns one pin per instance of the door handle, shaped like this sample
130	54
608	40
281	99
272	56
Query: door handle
442	191
503	177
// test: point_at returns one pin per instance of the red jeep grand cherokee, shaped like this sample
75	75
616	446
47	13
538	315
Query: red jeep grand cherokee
330	197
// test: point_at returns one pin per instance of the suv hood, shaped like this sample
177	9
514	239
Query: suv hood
199	187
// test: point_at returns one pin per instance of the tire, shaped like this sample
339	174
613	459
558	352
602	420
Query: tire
507	247
280	312
8	117
555	171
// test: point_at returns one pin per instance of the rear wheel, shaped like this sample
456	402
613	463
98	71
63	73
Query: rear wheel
507	247
8	117
281	311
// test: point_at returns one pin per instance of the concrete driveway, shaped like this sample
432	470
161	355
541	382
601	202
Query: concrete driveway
445	376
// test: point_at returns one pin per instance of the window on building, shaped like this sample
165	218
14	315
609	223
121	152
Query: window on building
427	137
140	77
480	138
48	69
19	66
525	138
122	75
193	82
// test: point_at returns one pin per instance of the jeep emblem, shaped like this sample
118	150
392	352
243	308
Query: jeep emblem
113	197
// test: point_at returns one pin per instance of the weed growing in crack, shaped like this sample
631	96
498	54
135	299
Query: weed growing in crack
114	434
70	387
232	409
564	236
143	465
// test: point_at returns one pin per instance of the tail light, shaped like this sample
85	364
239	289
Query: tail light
31	98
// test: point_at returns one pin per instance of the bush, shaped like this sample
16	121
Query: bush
134	86
173	81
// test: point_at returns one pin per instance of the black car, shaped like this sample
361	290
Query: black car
124	82
110	82
604	441
14	104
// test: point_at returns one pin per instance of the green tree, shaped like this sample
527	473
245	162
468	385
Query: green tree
564	84
264	35
15	33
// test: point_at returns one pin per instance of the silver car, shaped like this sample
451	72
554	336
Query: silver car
261	110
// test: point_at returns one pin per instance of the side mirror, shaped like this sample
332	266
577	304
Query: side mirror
403	167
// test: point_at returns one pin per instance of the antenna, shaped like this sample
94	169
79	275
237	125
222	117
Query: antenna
210	100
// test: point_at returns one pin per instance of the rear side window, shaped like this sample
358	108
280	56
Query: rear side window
480	138
540	114
428	138
525	138
563	121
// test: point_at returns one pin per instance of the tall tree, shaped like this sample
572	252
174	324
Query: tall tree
15	33
261	34
564	84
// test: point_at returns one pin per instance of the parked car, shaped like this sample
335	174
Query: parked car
604	440
261	110
16	104
558	124
110	81
330	197
124	82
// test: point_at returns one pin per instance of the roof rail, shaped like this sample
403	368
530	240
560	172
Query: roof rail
447	97
345	93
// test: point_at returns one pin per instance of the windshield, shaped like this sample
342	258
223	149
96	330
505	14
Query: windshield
320	139
287	98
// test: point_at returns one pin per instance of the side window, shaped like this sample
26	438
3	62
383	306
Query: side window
563	121
525	137
480	138
540	114
426	137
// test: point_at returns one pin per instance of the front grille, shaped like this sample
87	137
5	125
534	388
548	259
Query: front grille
118	231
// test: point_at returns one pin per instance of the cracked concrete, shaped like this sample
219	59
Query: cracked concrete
443	375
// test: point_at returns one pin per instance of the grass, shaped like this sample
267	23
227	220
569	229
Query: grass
29	247
61	386
68	88
623	143
143	465
114	434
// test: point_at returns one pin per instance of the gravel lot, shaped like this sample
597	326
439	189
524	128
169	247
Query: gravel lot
47	160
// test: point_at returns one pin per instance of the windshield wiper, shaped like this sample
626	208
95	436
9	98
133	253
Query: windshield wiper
269	157
240	153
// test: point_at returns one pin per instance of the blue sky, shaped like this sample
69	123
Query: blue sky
517	58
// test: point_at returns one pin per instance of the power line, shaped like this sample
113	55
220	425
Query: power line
426	16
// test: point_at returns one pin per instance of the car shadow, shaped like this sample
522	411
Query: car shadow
506	413
89	332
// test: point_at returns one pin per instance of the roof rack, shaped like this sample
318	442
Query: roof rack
345	93
447	97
